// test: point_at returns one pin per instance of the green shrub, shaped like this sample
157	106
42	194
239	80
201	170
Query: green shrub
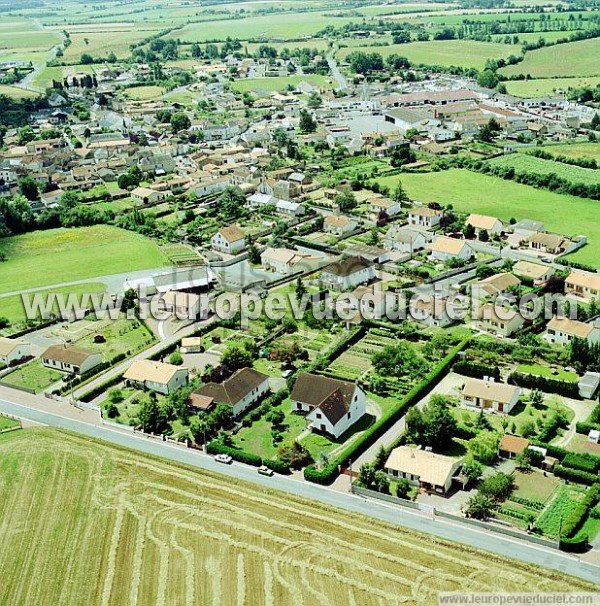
277	466
476	369
216	447
574	475
576	517
581	462
568	389
575	545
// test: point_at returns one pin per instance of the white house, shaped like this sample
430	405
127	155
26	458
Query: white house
13	350
333	406
405	240
339	225
494	285
487	394
563	330
499	320
283	260
240	391
145	195
540	274
70	359
380	206
583	285
444	248
156	376
480	223
423	468
424	217
229	240
348	273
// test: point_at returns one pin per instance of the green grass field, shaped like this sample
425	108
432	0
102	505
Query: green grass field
33	375
474	192
50	257
575	150
525	163
100	44
144	93
546	86
463	53
572	59
17	93
93	524
278	84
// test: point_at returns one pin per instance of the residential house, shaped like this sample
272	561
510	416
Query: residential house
551	244
423	468
348	273
374	254
432	311
283	260
240	391
333	406
494	285
185	305
145	195
489	395
492	225
527	228
191	345
511	447
563	330
339	225
499	320
13	350
583	285
70	359
156	376
405	240
535	272
384	207
444	249
229	240
427	218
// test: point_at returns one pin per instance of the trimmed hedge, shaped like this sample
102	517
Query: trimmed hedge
277	466
575	545
476	369
585	428
550	428
581	462
216	447
567	389
574	475
328	474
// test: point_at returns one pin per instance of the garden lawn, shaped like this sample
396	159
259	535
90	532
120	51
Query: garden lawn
473	192
572	59
460	53
257	438
562	505
544	371
33	375
50	257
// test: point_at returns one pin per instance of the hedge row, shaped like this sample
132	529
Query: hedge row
585	428
575	545
581	462
216	447
277	466
476	369
519	515
527	502
327	475
574	475
573	521
561	453
567	389
550	428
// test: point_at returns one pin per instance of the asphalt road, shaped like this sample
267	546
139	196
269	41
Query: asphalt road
504	546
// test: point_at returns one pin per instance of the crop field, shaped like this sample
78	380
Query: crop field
94	524
559	509
546	86
100	44
572	59
50	257
564	214
575	150
463	53
525	163
278	84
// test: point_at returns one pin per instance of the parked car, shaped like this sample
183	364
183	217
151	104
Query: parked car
223	458
263	470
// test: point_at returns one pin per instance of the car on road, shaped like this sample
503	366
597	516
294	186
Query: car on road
546	259
223	458
263	470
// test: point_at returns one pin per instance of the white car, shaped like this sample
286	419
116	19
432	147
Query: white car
223	458
263	470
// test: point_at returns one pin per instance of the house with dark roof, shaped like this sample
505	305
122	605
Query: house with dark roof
348	273
240	391
70	359
333	406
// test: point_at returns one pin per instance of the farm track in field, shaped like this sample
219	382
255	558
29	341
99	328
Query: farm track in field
86	523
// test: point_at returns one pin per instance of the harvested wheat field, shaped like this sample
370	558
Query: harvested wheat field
83	523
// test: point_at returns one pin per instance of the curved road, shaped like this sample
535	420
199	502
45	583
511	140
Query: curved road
504	546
